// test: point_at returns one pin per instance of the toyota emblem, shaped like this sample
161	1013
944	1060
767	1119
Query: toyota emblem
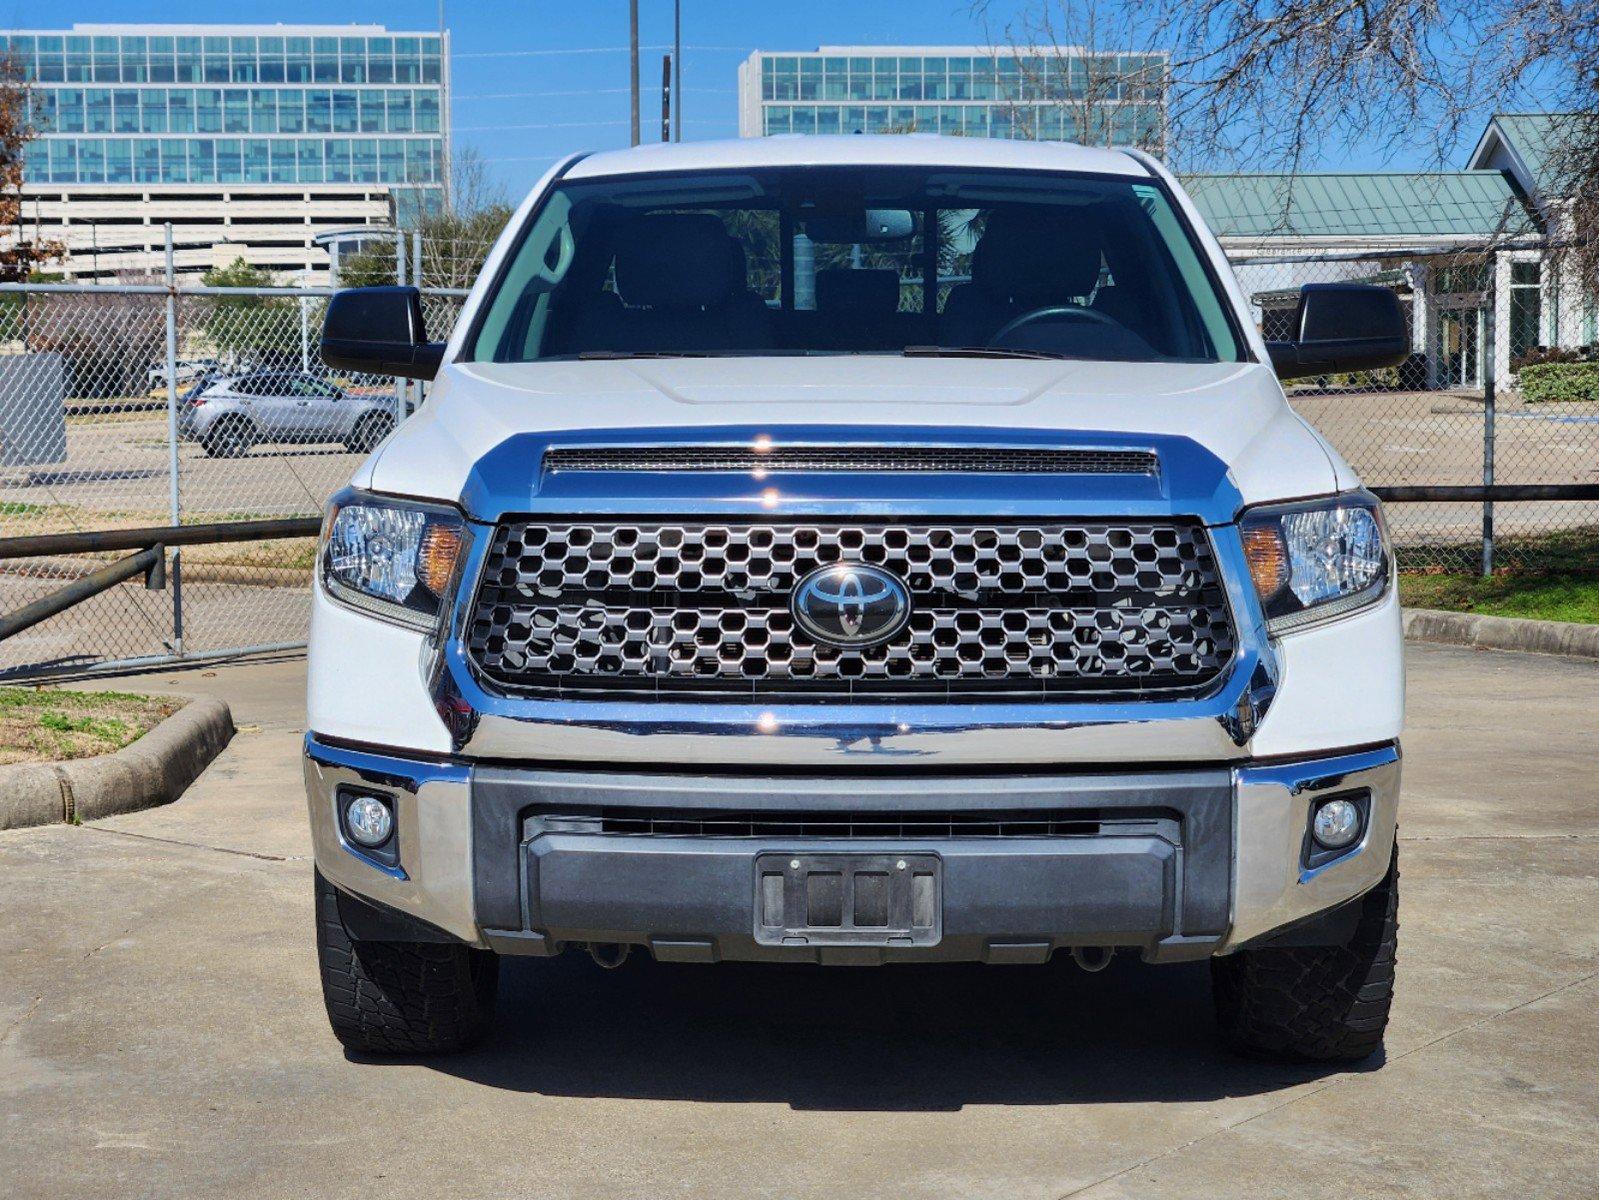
851	604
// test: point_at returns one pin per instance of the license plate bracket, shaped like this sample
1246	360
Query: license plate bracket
849	899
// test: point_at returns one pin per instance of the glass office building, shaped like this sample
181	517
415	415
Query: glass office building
232	105
1061	95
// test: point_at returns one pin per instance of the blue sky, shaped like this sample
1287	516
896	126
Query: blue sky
537	79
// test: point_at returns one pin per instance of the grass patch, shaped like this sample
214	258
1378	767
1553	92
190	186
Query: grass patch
39	725
1547	577
1542	597
1562	552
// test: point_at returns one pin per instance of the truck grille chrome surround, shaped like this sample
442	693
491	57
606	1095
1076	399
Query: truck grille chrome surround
700	609
992	460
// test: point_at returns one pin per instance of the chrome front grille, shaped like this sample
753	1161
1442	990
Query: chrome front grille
980	460
700	609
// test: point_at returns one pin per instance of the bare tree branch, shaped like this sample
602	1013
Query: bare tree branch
1282	84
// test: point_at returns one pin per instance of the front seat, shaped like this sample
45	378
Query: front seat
858	307
1024	261
675	290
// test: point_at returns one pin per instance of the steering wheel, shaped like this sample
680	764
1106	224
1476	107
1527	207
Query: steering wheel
1051	312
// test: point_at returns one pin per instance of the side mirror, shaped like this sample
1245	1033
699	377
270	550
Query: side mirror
379	331
1343	327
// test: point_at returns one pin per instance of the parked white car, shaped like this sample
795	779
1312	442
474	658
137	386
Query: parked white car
857	550
185	371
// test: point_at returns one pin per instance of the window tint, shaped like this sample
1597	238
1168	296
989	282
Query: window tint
873	260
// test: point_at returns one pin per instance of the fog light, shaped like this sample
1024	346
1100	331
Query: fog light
1337	824
369	820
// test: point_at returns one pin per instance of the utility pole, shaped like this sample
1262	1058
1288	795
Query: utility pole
666	97
632	44
677	65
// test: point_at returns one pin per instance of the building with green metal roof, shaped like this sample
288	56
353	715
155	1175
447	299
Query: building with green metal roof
1406	209
1467	249
1526	146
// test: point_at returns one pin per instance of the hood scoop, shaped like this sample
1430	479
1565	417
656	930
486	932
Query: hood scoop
762	457
785	470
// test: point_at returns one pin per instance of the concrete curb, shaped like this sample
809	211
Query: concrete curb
153	770
1502	633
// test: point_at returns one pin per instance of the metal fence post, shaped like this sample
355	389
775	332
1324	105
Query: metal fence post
1489	392
416	278
305	320
401	390
174	499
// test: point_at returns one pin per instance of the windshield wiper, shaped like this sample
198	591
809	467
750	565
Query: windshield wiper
591	355
977	352
611	355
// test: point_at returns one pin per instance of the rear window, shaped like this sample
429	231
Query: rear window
860	261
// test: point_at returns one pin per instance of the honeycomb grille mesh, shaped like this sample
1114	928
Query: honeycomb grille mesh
701	609
982	460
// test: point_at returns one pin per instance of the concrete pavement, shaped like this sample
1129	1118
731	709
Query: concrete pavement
161	1031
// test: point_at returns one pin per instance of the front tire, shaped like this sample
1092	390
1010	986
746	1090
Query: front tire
1314	1003
401	997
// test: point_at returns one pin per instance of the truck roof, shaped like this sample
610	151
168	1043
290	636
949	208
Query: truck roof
911	150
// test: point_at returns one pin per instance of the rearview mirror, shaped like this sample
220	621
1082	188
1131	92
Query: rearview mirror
379	331
1343	327
872	225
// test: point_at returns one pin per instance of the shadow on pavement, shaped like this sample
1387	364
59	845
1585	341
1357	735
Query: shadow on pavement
908	1038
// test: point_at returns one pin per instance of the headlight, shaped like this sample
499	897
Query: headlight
1317	559
391	558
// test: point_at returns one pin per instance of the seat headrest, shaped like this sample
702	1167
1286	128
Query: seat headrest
1035	259
738	265
673	260
865	291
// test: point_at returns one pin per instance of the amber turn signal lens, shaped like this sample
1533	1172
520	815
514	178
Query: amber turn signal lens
1268	559
435	562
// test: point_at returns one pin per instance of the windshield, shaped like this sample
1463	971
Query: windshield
869	260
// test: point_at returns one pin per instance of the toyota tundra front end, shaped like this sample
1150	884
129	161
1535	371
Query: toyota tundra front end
857	551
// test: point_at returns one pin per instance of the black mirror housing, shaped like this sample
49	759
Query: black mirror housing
379	331
1343	327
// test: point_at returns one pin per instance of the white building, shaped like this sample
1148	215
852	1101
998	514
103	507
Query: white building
250	139
1062	94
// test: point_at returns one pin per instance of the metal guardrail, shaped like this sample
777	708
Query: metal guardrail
101	540
149	561
1442	493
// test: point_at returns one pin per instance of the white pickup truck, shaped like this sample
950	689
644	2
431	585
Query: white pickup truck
857	550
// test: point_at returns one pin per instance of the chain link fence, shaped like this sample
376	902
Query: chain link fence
1502	386
260	429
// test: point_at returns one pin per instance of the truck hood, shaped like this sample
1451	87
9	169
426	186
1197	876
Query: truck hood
1234	410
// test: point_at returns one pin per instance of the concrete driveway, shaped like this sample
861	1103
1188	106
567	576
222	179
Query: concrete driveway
163	1032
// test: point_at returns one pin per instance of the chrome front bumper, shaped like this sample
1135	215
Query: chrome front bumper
1231	871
